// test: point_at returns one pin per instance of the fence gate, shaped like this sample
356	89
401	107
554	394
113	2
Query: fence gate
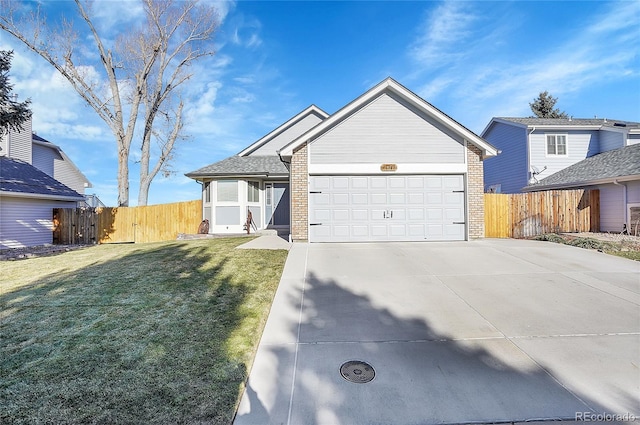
74	226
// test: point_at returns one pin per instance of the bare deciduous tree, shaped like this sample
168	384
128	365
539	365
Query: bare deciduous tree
140	79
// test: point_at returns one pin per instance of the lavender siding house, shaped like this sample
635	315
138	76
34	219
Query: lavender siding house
542	154
36	176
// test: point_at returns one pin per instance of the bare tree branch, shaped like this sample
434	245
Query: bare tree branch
145	69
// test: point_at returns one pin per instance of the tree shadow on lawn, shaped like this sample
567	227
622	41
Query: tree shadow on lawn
422	375
159	335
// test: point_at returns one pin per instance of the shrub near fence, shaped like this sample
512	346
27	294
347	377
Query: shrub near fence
522	215
154	223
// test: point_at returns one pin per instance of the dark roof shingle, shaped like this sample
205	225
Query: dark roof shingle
17	176
243	166
607	165
573	122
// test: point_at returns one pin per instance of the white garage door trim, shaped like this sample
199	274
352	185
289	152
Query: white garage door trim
371	208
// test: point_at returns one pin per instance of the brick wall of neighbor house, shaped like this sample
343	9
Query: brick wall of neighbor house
299	195
475	194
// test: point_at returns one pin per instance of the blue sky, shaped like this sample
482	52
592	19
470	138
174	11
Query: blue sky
472	60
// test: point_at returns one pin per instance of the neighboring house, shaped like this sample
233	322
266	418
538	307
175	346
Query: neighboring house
35	177
534	148
616	173
388	166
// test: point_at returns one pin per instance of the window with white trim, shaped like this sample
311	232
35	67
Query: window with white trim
253	192
227	191
207	192
556	144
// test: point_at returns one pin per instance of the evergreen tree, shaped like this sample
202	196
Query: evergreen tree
13	114
543	105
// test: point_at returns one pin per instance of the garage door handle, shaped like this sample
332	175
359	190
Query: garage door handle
315	224
458	191
314	192
459	222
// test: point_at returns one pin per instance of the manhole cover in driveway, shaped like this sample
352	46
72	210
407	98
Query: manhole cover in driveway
357	371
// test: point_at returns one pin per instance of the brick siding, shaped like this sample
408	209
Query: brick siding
475	191
299	195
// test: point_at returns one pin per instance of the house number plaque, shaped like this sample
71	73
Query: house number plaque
388	167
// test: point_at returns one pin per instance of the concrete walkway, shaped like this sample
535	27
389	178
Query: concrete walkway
482	331
267	239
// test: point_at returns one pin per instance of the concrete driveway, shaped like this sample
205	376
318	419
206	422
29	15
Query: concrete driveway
482	331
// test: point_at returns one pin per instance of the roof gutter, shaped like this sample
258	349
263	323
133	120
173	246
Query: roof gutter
41	196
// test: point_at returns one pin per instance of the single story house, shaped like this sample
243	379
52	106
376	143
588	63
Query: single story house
616	173
388	166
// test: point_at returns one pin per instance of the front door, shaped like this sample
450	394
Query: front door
277	204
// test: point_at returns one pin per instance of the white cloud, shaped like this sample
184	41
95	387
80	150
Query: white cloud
483	78
444	29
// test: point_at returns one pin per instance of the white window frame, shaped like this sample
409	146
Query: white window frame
253	184
234	201
555	136
207	192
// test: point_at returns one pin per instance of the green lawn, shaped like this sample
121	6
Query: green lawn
159	333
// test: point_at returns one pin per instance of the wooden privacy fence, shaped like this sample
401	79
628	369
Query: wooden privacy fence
522	215
152	223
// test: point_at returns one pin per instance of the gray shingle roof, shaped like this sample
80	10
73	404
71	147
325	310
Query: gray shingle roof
607	165
20	177
243	166
573	122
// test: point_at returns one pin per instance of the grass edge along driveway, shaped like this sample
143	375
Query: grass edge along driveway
145	333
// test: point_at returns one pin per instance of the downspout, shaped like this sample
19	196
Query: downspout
529	154
624	204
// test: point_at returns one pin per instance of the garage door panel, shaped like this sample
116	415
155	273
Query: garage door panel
415	214
379	231
340	183
359	183
319	183
341	215
360	214
379	198
378	182
360	231
386	208
416	231
434	198
320	215
397	198
398	230
357	198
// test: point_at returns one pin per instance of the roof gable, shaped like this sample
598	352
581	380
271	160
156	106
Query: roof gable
20	178
394	88
287	131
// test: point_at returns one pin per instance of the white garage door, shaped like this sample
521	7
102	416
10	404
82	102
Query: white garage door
386	208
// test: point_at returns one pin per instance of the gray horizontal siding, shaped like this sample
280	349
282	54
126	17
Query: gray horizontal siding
632	139
20	144
581	144
43	159
509	169
610	140
387	130
611	208
288	135
68	175
27	222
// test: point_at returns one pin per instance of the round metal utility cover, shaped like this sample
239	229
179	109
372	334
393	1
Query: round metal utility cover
357	371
